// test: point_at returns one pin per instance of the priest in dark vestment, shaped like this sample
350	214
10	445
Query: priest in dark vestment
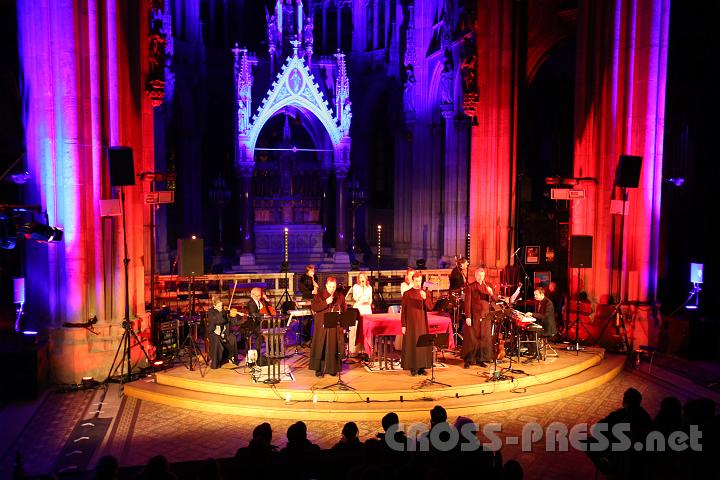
327	343
413	315
477	336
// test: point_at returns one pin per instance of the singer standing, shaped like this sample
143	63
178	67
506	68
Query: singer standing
327	343
413	315
477	336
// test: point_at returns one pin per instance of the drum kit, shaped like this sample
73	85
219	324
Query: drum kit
508	323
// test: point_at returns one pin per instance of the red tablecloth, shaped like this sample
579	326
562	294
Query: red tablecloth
389	324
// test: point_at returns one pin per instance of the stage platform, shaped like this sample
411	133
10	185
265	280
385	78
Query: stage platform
301	395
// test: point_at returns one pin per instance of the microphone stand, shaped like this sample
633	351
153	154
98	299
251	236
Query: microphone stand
526	278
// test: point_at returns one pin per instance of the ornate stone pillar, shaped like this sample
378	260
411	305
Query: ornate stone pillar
619	108
78	104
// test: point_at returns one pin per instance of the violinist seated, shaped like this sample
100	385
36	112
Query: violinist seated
219	336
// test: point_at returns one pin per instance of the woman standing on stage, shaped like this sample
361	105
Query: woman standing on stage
327	343
362	294
413	315
408	283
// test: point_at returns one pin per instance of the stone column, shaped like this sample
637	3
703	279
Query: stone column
81	97
619	108
493	155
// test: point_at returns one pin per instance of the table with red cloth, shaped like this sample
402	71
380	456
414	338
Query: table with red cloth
389	324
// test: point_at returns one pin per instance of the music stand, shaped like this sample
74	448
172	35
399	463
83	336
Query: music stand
435	341
331	321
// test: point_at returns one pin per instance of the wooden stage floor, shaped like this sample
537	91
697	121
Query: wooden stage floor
300	394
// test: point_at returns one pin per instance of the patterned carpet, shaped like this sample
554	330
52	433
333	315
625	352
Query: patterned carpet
142	429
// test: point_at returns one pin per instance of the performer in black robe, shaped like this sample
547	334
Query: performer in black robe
307	284
219	338
458	276
477	336
413	315
308	288
327	343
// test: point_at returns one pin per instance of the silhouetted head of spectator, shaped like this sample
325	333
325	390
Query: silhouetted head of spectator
460	421
389	420
512	470
437	415
106	468
699	411
670	409
350	431
373	452
632	398
157	467
263	433
210	469
297	433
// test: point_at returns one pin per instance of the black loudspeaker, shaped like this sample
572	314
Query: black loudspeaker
627	173
581	251
190	257
122	170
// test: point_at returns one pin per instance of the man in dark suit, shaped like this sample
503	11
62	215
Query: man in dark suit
545	313
251	326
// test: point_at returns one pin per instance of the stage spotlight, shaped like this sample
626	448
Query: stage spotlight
421	263
284	266
88	382
158	363
41	232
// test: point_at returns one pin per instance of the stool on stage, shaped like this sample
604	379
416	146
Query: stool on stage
532	332
382	347
545	345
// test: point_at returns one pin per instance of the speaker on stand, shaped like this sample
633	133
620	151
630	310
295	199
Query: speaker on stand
191	262
122	174
580	257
